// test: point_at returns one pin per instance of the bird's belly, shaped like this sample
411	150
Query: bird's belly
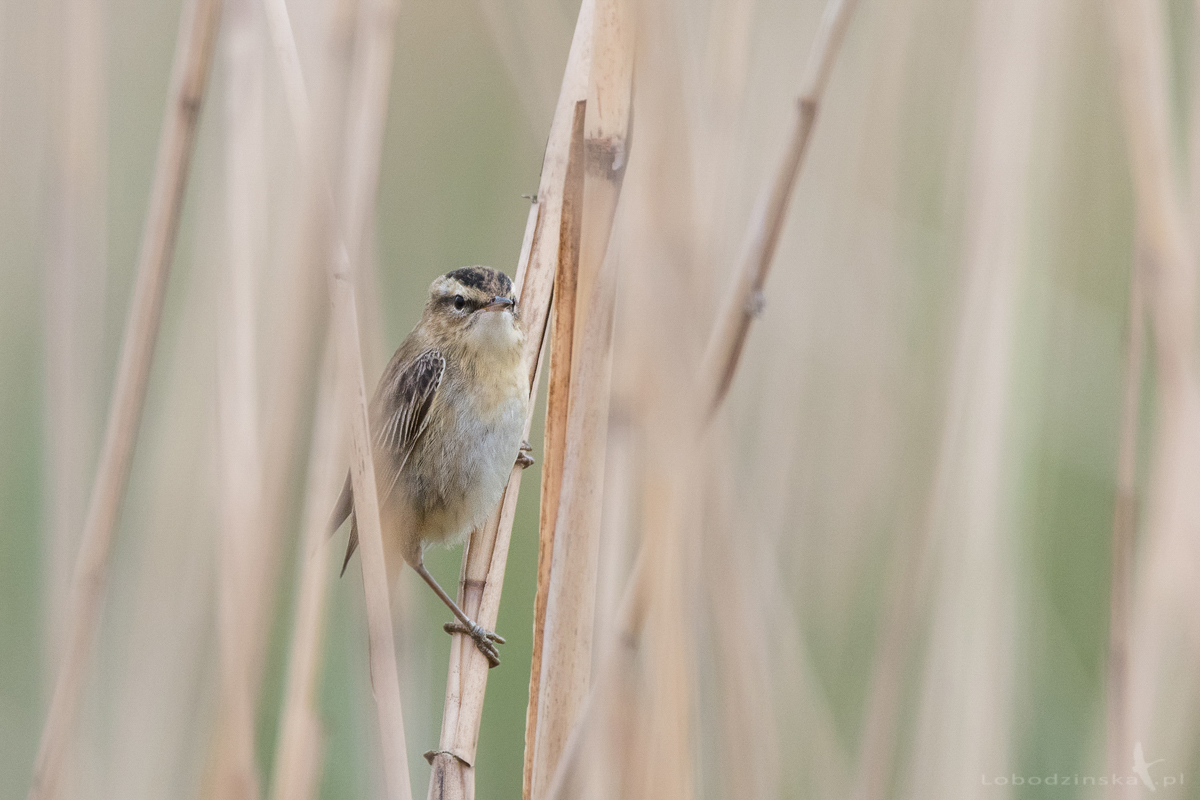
461	468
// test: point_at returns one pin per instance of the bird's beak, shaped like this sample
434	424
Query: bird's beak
498	304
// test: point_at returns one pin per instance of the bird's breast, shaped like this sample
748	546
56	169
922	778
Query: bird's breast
462	463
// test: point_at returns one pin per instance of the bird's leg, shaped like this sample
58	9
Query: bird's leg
486	641
524	460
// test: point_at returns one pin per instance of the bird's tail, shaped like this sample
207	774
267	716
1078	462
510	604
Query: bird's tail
343	509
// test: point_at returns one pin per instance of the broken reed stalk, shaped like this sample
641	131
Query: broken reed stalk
1123	535
766	221
550	232
561	334
189	77
565	606
297	769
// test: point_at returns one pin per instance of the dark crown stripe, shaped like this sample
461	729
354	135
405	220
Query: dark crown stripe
484	279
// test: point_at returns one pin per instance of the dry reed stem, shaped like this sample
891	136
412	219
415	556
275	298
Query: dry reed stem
283	40
633	737
455	685
1124	532
452	776
480	582
296	346
555	436
654	743
729	332
613	673
297	769
766	221
370	82
240	543
293	359
603	729
463	689
908	571
569	609
366	113
484	558
964	713
163	597
193	57
1166	592
742	637
384	677
1141	51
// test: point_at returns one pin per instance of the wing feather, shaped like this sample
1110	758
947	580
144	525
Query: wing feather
406	403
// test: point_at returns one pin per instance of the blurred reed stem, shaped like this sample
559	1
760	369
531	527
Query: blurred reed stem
242	544
1124	534
366	112
1142	58
297	769
199	25
384	677
1166	590
964	717
744	302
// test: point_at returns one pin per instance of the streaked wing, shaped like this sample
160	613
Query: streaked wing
406	404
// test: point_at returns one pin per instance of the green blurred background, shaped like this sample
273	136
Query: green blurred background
849	372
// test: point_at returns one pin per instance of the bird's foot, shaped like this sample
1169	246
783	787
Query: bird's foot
524	460
486	641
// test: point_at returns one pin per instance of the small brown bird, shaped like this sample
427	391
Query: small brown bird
446	423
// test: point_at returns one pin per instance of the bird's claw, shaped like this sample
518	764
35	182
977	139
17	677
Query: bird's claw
524	460
485	640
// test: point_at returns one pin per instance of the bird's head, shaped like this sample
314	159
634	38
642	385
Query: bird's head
474	309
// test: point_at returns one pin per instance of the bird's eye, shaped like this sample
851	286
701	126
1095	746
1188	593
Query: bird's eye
459	302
